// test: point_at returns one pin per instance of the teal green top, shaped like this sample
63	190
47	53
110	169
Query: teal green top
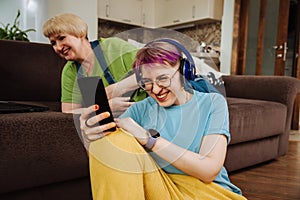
119	56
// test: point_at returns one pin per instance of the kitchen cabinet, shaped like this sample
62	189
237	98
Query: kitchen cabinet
171	12
176	12
125	11
160	13
208	9
148	14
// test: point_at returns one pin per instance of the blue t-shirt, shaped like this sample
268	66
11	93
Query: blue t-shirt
186	125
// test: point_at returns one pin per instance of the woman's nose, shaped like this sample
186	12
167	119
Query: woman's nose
58	46
156	89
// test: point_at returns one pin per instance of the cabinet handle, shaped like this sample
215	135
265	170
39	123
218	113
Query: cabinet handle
176	20
144	19
126	20
107	10
193	11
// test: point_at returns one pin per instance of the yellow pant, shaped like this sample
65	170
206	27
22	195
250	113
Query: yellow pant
121	169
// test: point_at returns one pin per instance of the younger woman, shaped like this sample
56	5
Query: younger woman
171	145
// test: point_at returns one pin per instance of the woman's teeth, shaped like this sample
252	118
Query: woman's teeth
65	51
162	96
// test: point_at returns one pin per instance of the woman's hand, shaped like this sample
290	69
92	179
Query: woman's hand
123	86
110	91
119	105
129	125
89	132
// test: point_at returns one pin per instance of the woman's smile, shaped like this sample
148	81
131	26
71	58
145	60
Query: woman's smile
162	97
65	51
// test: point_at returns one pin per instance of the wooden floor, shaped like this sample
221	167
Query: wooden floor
277	179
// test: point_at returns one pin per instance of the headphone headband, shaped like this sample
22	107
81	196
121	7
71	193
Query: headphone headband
189	69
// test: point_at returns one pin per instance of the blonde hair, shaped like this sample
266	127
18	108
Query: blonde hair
65	23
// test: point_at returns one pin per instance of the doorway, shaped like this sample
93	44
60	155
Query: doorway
261	31
293	61
267	40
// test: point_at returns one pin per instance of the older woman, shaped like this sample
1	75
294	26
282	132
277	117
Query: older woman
68	36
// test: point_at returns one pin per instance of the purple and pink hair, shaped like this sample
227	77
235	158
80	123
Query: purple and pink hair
156	52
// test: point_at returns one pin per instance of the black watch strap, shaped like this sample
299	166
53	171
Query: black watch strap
154	133
150	143
152	139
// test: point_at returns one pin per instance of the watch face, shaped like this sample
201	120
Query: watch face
154	133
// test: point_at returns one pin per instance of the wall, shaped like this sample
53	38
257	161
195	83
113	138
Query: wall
35	12
226	38
87	11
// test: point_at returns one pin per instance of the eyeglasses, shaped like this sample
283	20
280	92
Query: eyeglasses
163	81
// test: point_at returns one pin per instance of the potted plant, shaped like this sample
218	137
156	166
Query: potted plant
14	32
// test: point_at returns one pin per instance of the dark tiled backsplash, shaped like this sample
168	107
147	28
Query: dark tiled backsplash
207	33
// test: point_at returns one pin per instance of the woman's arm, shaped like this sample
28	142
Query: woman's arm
69	107
118	105
114	92
204	165
121	87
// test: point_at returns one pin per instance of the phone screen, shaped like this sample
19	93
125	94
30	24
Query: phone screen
93	92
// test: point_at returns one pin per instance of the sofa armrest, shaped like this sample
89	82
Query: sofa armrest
38	149
281	89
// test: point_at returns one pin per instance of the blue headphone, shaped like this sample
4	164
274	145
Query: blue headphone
188	65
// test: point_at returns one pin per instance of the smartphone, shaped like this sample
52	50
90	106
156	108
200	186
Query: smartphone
93	92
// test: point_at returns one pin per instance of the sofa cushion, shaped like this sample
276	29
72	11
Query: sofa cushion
246	154
255	119
38	149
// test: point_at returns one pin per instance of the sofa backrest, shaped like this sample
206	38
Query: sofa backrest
29	72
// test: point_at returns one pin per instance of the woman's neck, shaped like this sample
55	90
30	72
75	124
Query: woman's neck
87	58
184	97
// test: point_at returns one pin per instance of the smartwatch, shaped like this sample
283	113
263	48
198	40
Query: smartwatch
152	139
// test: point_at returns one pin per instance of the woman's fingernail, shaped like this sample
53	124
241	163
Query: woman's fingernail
96	107
112	125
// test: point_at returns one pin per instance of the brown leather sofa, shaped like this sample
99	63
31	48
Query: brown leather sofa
42	156
260	112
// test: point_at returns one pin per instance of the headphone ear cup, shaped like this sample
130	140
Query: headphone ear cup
187	71
184	68
182	63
